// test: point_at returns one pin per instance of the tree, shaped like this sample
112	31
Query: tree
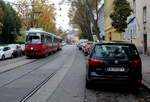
92	9
1	18
10	22
86	15
79	16
61	33
119	17
40	13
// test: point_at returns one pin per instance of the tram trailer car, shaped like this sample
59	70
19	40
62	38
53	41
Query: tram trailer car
41	43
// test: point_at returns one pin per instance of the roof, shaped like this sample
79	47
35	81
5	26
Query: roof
116	42
40	30
36	30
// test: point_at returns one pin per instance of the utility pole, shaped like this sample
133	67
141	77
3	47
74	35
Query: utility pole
27	23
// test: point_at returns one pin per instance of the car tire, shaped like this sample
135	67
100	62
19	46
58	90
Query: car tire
88	84
135	87
21	54
12	56
3	57
85	54
29	57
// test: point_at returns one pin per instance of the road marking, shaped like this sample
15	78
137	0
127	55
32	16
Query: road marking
14	65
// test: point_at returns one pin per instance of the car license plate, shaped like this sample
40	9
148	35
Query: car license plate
115	69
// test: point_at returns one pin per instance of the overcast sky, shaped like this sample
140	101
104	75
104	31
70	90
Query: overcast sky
62	19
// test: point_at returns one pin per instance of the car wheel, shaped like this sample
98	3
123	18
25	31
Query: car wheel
3	57
21	54
12	56
88	84
28	57
135	87
85	54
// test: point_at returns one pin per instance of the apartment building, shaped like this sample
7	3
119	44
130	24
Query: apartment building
138	30
101	19
110	32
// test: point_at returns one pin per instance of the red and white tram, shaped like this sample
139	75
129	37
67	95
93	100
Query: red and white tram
40	42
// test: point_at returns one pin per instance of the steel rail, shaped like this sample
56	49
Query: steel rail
27	96
36	68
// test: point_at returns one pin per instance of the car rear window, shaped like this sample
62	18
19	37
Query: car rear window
115	51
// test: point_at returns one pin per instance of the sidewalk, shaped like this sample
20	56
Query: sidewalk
146	70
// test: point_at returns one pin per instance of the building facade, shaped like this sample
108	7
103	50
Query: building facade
139	25
110	32
101	20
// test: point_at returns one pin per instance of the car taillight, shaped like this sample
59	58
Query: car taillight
135	63
96	62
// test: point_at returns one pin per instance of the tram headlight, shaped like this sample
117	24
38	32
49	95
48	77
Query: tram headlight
31	48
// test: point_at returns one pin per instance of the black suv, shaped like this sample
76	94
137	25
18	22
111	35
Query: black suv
114	62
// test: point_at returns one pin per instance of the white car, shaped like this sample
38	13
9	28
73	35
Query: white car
6	52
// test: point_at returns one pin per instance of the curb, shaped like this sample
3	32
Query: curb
146	85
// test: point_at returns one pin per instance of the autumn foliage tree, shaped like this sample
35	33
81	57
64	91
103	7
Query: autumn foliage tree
41	14
79	16
84	13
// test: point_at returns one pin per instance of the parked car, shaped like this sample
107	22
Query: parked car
17	51
86	47
79	46
63	44
5	52
114	62
81	43
23	48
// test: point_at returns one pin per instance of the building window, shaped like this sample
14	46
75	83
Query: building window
134	36
110	36
144	14
128	33
134	6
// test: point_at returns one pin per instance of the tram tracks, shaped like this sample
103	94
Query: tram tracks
11	61
20	84
49	82
41	84
32	92
44	62
27	96
31	87
16	65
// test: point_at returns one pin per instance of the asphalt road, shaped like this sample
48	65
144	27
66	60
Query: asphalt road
59	77
11	60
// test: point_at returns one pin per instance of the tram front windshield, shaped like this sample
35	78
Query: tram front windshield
33	39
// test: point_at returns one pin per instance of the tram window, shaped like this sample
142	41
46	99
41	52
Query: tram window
55	40
33	39
42	39
50	39
32	34
45	39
